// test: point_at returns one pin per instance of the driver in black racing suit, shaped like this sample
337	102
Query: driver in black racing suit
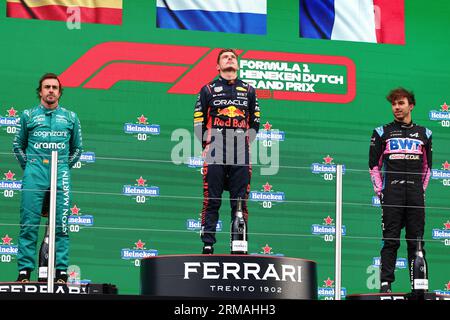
400	161
226	120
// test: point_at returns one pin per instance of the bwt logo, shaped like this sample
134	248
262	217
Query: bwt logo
404	144
188	67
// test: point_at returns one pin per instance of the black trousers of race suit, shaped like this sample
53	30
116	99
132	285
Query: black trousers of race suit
403	207
226	167
216	179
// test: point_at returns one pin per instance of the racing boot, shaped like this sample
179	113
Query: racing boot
385	287
24	275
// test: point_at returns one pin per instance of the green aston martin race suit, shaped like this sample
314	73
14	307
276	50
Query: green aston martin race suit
39	132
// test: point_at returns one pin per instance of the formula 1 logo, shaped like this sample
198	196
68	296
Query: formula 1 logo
8	251
141	129
291	75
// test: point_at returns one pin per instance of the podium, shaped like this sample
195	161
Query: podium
71	289
228	277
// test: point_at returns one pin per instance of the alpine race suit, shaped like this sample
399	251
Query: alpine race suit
400	160
226	120
41	131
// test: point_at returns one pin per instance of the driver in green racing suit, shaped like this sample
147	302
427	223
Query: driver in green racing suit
41	130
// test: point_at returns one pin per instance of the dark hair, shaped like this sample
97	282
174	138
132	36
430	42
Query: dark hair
46	76
225	50
399	93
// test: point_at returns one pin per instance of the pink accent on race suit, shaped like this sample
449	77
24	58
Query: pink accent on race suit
402	151
426	171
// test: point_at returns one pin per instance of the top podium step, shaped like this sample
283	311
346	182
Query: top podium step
229	277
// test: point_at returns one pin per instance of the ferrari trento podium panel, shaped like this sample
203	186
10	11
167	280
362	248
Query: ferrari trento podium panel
229	276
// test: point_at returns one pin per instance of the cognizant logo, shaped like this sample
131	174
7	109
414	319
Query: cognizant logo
49	145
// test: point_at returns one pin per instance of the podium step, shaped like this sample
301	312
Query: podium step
229	276
41	287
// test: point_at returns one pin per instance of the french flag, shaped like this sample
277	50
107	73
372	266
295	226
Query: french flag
378	21
233	16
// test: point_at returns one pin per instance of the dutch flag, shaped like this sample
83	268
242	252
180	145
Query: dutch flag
233	16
